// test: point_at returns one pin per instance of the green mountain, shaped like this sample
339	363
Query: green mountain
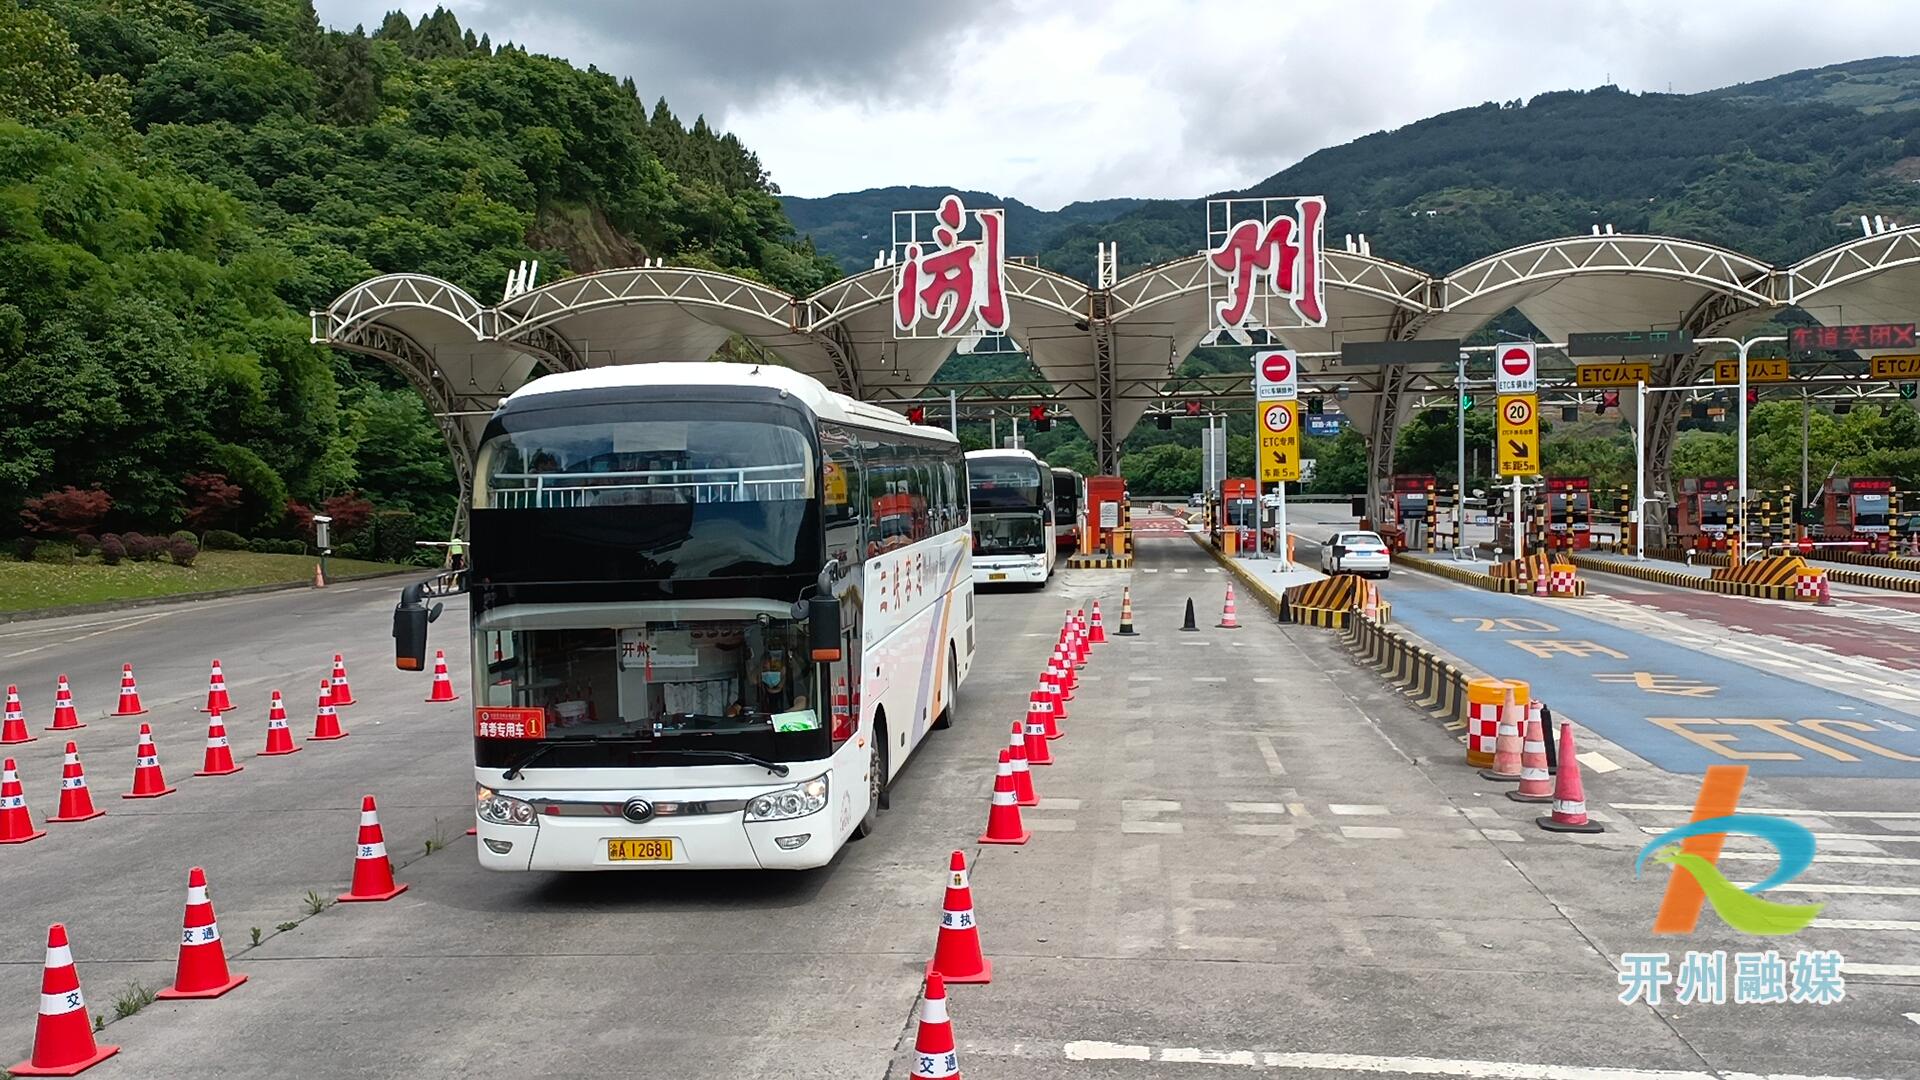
851	228
1886	82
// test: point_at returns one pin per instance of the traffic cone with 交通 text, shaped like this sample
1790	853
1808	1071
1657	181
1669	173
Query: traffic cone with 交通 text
1038	752
1536	785
1096	633
129	694
65	716
1003	817
148	781
1023	792
217	699
1126	613
956	951
219	757
342	690
16	821
1569	797
372	872
1229	619
202	969
279	738
326	722
1506	742
13	729
934	1055
76	801
442	682
63	1036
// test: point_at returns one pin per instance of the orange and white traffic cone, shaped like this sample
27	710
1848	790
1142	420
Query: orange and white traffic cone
1126	613
76	802
934	1056
1540	580
148	781
1081	645
326	722
956	951
1096	633
1229	620
372	873
129	694
13	729
442	682
65	716
217	699
319	579
1536	784
1569	797
219	757
63	1038
1022	775
1506	743
1038	752
279	737
202	970
16	821
1003	818
342	690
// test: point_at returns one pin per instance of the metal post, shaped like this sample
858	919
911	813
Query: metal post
1460	452
993	429
1259	488
1519	543
953	413
1744	346
1806	417
1639	512
1280	546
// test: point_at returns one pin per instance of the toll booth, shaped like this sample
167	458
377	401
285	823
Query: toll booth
1409	512
1569	513
1236	514
1857	511
1703	512
1106	516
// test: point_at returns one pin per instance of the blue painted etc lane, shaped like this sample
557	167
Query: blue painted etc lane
1678	708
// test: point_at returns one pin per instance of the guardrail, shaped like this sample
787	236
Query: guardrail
1433	683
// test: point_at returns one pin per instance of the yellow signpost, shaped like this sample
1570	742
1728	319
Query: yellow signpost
1279	441
1517	449
1905	366
1759	369
1606	376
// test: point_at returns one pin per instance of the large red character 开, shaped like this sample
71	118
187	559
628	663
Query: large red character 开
955	280
1286	250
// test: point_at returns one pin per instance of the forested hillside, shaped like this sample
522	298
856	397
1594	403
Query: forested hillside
852	227
181	180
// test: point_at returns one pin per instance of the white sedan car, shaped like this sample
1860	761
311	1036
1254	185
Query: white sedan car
1364	553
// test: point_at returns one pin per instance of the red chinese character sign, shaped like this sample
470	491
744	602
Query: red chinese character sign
1263	250
949	275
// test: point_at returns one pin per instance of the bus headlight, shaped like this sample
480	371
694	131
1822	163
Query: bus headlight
500	809
793	802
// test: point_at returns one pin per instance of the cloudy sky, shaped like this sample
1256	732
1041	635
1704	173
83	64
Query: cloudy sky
1056	100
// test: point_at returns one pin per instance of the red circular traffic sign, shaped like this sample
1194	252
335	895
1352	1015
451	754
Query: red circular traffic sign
1278	417
1275	367
1518	411
1516	362
1806	546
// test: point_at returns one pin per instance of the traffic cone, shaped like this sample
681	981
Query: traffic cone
1569	797
1023	792
1050	714
342	691
1053	683
217	699
65	716
1066	678
1506	744
1126	613
202	970
76	802
219	757
934	1057
1081	646
1540	579
1535	783
13	730
1190	627
148	781
956	951
1097	634
1228	619
372	873
1003	819
129	694
63	1038
442	683
16	821
326	722
1038	752
279	738
319	579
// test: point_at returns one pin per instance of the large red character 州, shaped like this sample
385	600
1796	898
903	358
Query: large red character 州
954	280
1286	250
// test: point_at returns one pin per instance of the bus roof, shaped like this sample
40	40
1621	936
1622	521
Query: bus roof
825	404
1022	454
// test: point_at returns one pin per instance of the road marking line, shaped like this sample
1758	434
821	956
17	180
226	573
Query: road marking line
1057	804
1152	827
1372	832
1356	809
1899	815
1898	971
1143	678
1152	570
1052	824
1873	838
1089	1050
1823	857
69	641
1261	830
1849	890
1867	924
1270	755
1209	678
1598	762
1264	679
1149	806
1179	569
1479	813
1256	808
1213	569
1915	1017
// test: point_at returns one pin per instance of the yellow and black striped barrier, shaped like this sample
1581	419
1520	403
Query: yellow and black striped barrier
1430	680
1503	577
1329	603
1839	575
1761	578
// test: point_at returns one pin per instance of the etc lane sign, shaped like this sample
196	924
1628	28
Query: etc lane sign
1760	369
1276	375
1518	439
1894	366
1279	441
1610	376
1516	366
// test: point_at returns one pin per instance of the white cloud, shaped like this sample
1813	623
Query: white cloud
1076	99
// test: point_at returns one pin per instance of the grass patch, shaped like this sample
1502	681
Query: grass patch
25	586
135	997
315	902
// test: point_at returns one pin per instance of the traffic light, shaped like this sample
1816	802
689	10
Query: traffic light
1569	413
1842	407
1036	413
1608	400
1753	396
1466	402
1700	410
917	414
1163	421
1193	408
1908	390
1316	405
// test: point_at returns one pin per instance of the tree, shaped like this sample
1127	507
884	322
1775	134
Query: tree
210	500
65	513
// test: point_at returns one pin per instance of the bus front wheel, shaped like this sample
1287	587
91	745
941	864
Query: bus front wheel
876	785
948	688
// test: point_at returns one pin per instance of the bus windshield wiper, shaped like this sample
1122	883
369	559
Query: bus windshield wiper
514	770
773	767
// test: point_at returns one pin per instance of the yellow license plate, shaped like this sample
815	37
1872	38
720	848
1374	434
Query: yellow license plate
639	850
996	577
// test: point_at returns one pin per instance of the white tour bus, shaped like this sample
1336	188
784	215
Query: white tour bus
1069	509
1011	494
714	609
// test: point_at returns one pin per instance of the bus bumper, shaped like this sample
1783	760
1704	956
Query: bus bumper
1004	571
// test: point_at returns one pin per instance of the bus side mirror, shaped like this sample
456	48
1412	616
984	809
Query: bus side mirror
410	618
823	634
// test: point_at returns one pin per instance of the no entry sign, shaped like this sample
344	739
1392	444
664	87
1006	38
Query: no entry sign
1514	367
1276	375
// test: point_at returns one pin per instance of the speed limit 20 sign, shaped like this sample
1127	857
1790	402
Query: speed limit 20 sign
1517	443
1279	441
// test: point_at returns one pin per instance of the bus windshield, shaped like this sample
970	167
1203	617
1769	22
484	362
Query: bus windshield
1870	511
1004	533
1003	484
1066	497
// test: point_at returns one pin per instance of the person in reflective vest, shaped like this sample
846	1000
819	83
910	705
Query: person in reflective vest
457	553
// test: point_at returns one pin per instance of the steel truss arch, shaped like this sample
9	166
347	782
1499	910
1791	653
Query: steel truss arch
836	303
1845	264
1402	286
369	300
414	363
686	288
1704	265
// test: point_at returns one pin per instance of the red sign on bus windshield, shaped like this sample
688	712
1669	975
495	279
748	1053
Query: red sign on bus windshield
496	722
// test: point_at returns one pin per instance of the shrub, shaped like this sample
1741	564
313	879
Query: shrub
187	535
54	553
267	546
112	550
65	513
209	498
23	547
182	552
86	544
224	540
143	548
